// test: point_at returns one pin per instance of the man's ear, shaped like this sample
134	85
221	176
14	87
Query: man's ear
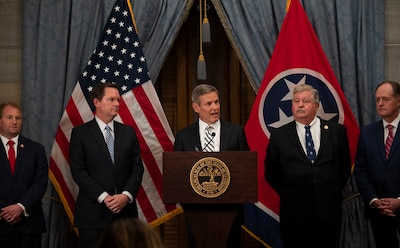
195	107
96	102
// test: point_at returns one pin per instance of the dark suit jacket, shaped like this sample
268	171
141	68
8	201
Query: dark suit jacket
233	138
27	186
93	171
377	177
302	186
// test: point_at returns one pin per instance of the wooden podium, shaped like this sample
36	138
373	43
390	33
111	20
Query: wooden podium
211	187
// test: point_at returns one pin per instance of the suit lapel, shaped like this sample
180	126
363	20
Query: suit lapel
20	154
196	137
325	130
379	139
225	133
294	137
4	160
119	136
395	144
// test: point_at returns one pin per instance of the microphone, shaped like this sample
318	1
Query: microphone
208	143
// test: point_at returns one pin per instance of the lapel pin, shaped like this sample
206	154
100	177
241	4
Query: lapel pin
21	145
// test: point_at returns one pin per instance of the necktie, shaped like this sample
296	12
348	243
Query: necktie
11	155
309	145
110	142
209	140
389	139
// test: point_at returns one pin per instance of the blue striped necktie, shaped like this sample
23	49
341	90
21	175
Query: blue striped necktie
110	142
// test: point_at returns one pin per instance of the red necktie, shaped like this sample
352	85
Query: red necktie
11	155
389	139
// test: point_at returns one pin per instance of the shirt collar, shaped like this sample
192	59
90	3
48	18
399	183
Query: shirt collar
5	140
312	123
394	123
203	125
103	125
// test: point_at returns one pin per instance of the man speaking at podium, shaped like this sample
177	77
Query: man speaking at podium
225	136
211	134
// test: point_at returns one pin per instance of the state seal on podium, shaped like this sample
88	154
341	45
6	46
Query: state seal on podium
210	177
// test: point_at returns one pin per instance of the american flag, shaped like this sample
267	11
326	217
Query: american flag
118	58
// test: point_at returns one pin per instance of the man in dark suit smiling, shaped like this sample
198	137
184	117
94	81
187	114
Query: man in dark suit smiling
108	173
23	182
308	164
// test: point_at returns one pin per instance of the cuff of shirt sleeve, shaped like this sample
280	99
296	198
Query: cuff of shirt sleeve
101	198
23	209
128	195
372	201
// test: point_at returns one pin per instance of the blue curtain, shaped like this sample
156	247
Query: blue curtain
351	33
59	36
58	40
352	36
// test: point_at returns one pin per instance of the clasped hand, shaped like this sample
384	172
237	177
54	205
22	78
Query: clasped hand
11	214
387	206
116	202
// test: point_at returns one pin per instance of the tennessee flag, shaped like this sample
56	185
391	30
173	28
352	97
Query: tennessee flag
298	58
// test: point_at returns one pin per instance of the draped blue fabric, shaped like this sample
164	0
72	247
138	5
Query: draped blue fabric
352	36
59	37
58	40
158	25
351	33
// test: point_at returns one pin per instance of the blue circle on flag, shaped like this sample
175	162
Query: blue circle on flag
275	109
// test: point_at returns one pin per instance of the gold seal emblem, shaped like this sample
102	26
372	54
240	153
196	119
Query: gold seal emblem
210	177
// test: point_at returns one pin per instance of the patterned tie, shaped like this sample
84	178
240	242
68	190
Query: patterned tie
309	145
209	140
110	142
11	155
389	139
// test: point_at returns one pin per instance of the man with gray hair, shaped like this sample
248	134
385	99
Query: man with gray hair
308	164
211	134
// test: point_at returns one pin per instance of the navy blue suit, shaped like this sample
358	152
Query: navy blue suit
376	176
27	186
